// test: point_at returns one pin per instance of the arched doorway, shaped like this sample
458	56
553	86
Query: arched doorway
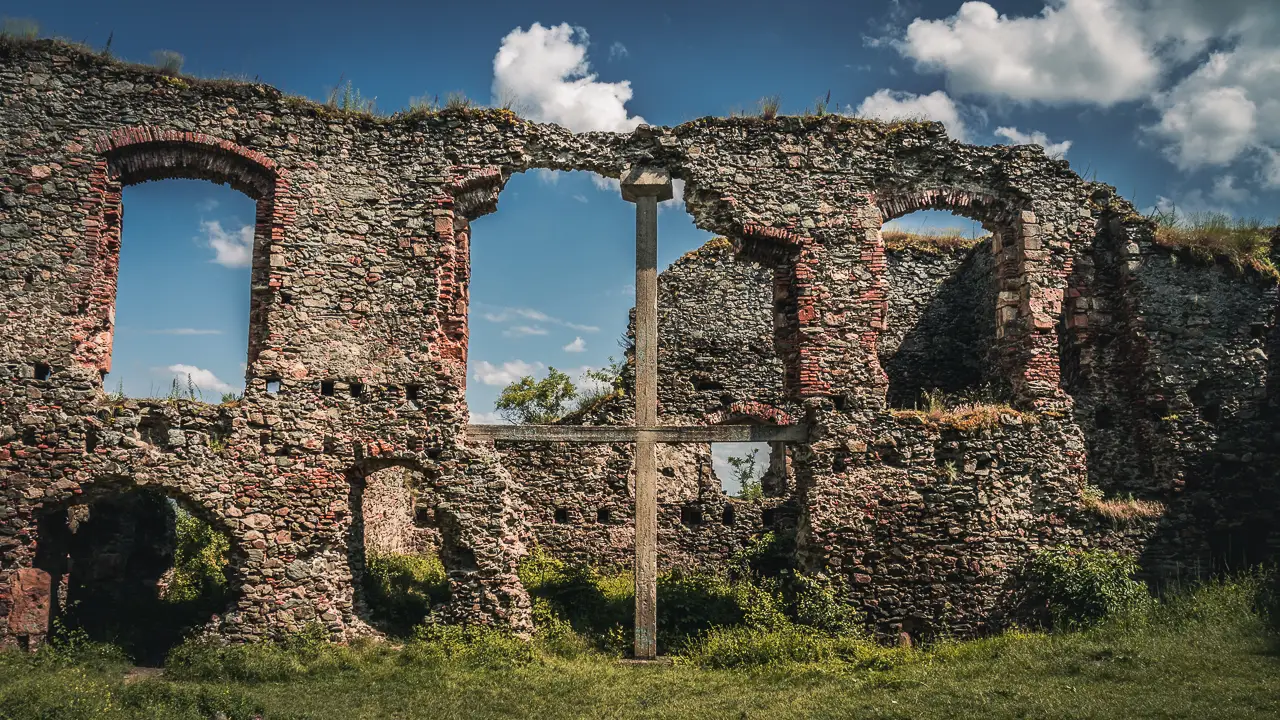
134	567
398	548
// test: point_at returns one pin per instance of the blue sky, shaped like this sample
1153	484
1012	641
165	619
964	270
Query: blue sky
1175	102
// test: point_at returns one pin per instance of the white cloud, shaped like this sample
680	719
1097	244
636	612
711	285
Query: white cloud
207	205
1228	108
1104	52
580	198
1074	51
1224	197
546	177
607	184
184	331
523	331
487	418
203	379
1270	174
507	373
888	104
585	383
233	248
1035	137
507	314
1225	191
545	71
618	50
578	345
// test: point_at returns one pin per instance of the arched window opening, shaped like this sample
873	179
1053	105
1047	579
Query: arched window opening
136	569
182	291
940	324
396	550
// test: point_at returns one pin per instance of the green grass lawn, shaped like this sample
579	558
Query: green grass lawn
1206	654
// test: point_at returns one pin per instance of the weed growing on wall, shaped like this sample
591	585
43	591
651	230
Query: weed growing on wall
169	62
1080	588
19	29
1243	242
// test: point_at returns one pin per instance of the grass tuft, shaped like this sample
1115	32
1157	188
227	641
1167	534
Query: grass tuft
929	242
347	98
19	28
1206	237
169	62
1120	510
769	106
967	416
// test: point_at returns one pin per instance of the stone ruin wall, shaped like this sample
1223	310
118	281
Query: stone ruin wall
359	311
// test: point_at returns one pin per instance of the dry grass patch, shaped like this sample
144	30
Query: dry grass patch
1206	237
968	416
930	242
1125	509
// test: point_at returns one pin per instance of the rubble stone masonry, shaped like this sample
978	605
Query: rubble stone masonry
1125	366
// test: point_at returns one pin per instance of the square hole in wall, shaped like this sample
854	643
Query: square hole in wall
43	371
326	388
273	387
561	516
357	389
424	516
411	393
691	515
730	514
769	517
603	516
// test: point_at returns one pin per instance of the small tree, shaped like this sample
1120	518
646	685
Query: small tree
529	401
607	383
744	470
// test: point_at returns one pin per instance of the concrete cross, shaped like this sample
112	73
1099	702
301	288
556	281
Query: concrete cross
645	187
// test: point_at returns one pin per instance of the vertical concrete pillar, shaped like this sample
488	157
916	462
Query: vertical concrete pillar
646	187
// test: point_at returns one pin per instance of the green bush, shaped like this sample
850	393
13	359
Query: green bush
1083	587
601	605
400	590
199	561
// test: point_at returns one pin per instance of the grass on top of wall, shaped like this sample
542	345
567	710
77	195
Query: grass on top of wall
1120	509
929	242
938	409
1206	237
1210	652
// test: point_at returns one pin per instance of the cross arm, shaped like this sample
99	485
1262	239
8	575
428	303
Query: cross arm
623	433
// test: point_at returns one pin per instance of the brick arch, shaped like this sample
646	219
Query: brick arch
750	411
794	258
130	155
1026	311
986	208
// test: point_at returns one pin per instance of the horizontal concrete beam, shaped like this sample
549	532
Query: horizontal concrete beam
623	433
